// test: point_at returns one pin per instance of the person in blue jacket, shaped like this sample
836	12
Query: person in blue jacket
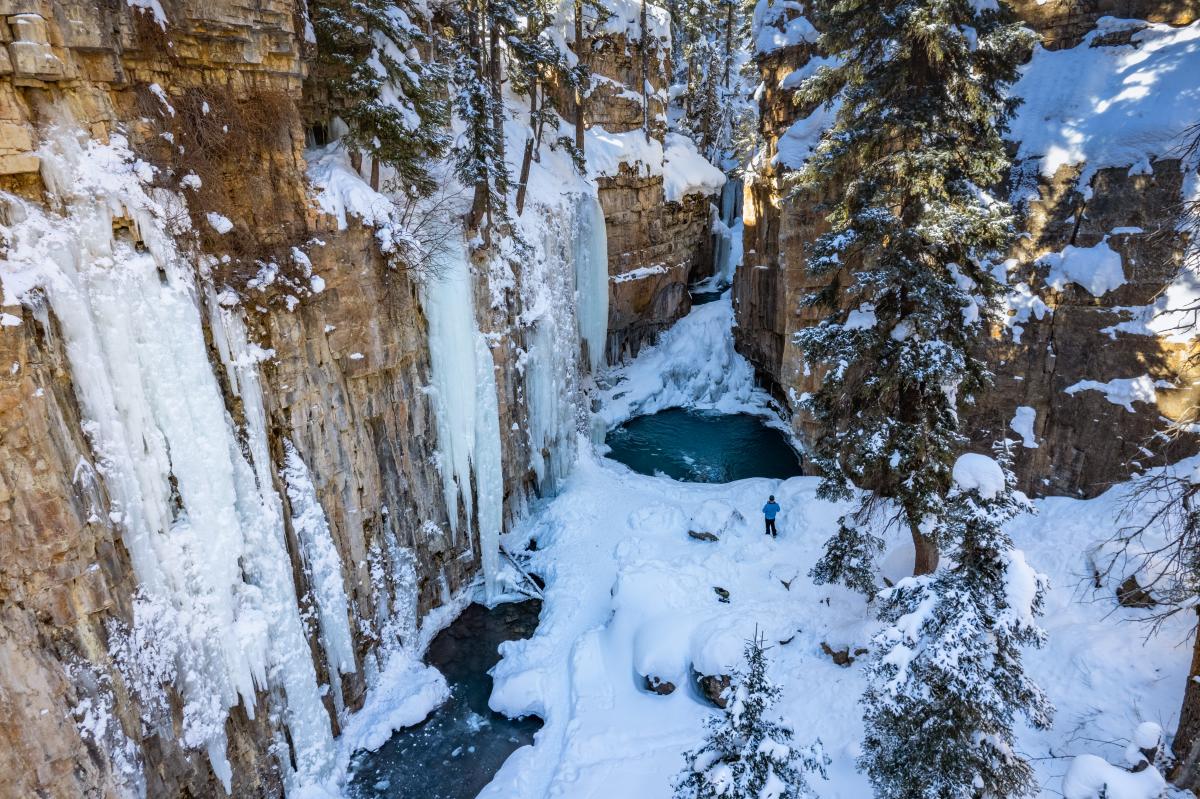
770	511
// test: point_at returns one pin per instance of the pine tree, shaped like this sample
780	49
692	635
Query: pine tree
707	38
538	62
477	76
946	679
919	88
391	99
747	754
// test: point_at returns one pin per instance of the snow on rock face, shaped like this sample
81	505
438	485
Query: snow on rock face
1022	425
1124	391
198	514
686	172
606	152
780	23
1124	105
221	224
979	473
1097	269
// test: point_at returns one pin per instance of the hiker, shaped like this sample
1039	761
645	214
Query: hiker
769	512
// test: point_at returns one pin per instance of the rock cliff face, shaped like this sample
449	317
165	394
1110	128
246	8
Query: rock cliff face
1058	335
656	246
215	90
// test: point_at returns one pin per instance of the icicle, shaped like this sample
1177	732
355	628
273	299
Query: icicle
202	524
324	567
464	384
591	278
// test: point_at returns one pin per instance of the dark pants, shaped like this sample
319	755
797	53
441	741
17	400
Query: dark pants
770	526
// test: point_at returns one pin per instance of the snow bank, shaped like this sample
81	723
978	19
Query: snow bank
1124	391
1123	105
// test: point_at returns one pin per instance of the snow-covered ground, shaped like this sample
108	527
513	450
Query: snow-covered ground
629	593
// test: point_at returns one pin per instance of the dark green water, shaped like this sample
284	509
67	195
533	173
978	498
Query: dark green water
703	446
705	297
456	751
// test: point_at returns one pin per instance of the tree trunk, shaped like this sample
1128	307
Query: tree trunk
479	203
728	41
1186	745
527	158
581	54
496	79
926	560
645	48
374	173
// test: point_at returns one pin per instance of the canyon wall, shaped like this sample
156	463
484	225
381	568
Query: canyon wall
657	244
1070	361
330	381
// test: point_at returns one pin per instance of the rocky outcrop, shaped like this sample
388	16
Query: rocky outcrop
656	247
1055	339
655	250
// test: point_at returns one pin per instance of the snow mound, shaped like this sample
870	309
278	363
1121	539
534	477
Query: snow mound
686	171
406	693
1092	777
979	473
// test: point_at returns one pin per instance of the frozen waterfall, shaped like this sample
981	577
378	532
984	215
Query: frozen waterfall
200	518
591	278
464	387
565	299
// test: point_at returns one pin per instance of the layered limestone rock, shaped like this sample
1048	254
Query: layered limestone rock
210	95
1067	377
656	246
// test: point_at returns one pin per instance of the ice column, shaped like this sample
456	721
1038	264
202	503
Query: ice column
591	278
464	384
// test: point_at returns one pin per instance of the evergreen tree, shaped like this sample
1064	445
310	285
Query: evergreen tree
479	159
707	38
538	61
919	87
747	754
391	99
946	678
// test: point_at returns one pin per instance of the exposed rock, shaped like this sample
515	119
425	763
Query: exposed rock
659	686
1131	595
841	657
702	536
722	594
714	688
